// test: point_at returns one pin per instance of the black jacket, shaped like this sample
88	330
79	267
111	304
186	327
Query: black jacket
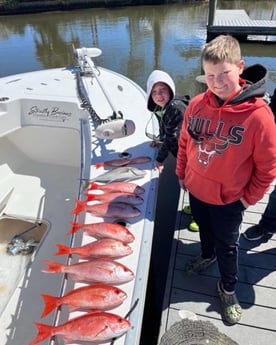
170	126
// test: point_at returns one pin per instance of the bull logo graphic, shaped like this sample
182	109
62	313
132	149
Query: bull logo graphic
214	143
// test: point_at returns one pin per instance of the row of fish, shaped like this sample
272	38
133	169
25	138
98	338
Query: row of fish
120	174
120	162
99	270
106	247
96	326
104	229
114	209
96	298
101	273
116	199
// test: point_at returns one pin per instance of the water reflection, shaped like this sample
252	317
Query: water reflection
135	40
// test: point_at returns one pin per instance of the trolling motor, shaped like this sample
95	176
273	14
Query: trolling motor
115	126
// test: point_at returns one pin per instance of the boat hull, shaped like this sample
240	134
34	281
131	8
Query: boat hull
49	151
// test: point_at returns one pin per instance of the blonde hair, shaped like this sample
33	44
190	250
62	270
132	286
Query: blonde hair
223	48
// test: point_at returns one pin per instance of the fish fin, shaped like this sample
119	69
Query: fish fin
54	267
44	332
93	185
50	303
102	330
80	206
62	249
75	227
90	197
99	165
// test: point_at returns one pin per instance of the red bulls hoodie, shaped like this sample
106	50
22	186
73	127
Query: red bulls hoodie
227	151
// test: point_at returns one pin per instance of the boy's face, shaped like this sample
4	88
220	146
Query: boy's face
160	94
223	78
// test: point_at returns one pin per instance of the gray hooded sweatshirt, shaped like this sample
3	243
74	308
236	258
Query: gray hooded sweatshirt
170	117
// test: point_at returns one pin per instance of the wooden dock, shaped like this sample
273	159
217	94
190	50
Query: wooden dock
237	23
256	288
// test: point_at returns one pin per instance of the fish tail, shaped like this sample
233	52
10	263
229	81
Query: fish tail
90	197
75	227
54	267
99	165
62	249
44	332
93	185
80	206
50	303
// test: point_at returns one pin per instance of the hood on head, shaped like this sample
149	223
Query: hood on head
255	76
158	76
254	73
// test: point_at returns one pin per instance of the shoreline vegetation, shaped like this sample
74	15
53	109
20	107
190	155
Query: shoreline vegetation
11	7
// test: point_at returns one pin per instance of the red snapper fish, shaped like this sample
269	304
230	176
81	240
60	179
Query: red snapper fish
105	247
96	296
125	173
97	327
107	209
124	187
123	161
129	198
104	230
106	271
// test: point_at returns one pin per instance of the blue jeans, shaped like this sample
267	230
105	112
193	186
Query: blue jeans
219	235
268	220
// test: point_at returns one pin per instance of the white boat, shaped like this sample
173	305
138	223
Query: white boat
56	126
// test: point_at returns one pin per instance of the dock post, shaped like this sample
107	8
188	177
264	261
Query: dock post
212	10
211	18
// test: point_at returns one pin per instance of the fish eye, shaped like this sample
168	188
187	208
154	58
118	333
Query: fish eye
125	154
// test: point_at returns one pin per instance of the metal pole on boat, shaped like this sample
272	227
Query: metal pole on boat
94	70
86	55
114	126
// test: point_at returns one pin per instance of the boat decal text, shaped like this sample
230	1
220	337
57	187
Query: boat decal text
49	114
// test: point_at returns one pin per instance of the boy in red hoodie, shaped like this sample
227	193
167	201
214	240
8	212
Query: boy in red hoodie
226	159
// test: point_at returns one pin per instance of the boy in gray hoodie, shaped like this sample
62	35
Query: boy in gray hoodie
169	110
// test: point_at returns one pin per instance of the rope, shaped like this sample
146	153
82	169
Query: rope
85	101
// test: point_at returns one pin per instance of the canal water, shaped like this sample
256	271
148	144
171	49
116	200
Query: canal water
134	40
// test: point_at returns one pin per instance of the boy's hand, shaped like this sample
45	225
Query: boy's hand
182	185
245	204
155	144
159	166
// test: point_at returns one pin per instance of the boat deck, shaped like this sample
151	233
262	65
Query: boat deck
256	288
47	157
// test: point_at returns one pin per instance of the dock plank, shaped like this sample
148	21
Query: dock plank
238	23
242	333
256	288
231	15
